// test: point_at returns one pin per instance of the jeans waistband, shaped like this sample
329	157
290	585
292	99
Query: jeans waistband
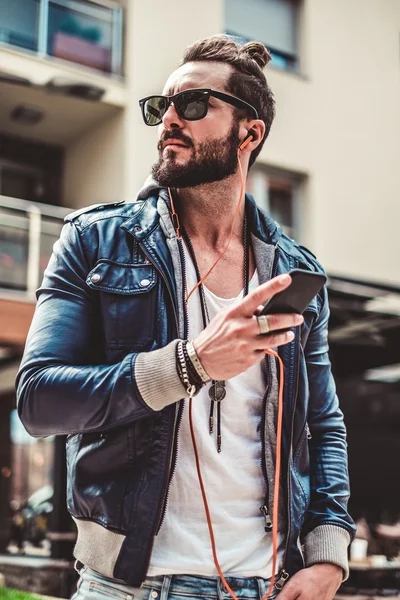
194	585
191	586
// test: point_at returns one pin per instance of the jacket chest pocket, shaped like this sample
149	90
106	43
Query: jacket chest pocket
128	300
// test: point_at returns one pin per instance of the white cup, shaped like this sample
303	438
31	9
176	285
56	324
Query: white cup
358	549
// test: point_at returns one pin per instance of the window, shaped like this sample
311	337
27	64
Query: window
273	22
278	192
82	32
87	32
19	23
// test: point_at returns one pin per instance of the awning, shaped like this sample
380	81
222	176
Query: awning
364	328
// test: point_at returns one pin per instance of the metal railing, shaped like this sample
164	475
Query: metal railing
28	231
87	32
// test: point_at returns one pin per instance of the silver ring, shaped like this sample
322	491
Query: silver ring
263	324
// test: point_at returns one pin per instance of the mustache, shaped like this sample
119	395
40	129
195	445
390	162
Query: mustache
176	135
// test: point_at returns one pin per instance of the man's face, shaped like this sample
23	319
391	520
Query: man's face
195	152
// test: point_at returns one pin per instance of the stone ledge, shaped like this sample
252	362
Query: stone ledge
34	562
44	577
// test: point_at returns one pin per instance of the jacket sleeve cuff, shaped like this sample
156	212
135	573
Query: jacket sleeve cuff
327	544
157	379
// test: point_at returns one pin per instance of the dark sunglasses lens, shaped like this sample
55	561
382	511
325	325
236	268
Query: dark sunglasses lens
192	105
154	110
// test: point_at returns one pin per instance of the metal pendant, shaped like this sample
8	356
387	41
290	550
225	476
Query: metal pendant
217	391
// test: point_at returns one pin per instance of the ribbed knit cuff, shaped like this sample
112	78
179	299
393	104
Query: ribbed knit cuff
327	544
157	378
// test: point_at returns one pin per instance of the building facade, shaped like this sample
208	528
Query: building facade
71	135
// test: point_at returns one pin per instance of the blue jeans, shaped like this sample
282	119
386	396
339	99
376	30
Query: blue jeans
93	586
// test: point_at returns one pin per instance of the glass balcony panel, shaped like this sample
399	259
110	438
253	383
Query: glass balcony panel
19	21
14	243
28	232
50	232
81	32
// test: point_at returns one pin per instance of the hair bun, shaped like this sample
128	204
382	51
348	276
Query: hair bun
257	52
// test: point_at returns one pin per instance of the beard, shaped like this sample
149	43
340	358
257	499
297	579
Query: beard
212	160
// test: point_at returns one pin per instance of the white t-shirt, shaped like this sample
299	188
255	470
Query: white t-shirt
233	479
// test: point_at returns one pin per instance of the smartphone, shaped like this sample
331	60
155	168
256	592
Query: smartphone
295	298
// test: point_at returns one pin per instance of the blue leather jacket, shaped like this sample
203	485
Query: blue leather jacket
111	293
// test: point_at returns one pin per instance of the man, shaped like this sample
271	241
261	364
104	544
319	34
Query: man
146	303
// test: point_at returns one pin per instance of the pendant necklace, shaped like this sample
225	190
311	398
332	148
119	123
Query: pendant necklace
217	391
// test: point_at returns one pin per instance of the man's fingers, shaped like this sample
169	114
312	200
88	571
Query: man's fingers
273	340
248	306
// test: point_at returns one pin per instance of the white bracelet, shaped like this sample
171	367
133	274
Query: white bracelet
200	370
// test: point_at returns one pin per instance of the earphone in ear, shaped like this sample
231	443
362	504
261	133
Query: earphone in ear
245	142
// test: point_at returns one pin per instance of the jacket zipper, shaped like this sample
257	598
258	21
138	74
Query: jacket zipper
172	464
179	414
265	509
283	577
289	486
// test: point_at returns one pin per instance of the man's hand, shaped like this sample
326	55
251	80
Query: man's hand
231	343
319	582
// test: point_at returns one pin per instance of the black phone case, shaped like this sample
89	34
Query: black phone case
295	298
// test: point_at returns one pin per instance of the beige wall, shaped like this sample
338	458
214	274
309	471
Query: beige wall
341	125
356	175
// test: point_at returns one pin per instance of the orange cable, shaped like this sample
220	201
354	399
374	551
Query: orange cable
174	216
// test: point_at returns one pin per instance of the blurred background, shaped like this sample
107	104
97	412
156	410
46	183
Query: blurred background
71	135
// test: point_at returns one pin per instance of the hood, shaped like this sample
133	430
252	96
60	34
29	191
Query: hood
149	188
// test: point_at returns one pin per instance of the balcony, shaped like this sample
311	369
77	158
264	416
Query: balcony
83	32
27	233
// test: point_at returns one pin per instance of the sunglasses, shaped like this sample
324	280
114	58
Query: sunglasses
191	105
